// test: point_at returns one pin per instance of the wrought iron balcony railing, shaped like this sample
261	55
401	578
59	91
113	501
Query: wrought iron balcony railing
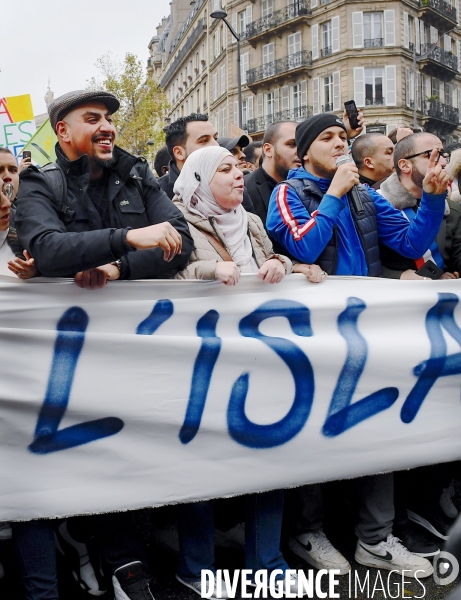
325	1
439	55
327	51
440	111
327	107
441	6
297	9
373	43
374	101
295	114
281	65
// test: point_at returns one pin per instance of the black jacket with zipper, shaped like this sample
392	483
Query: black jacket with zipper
66	242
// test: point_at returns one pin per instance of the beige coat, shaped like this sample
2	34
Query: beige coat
203	260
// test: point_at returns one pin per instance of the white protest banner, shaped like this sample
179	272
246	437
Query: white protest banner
152	392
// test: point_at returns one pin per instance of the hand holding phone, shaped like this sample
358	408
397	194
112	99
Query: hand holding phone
352	114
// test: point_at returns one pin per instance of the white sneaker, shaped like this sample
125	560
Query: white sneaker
446	503
316	549
196	586
232	538
392	555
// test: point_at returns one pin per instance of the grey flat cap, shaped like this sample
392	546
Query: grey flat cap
230	143
59	108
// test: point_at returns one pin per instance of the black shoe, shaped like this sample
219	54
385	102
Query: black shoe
434	520
130	583
416	540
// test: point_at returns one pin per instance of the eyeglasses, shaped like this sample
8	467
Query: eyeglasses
427	153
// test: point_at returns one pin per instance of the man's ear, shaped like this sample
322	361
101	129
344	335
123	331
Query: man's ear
305	158
179	153
62	131
268	150
368	162
404	165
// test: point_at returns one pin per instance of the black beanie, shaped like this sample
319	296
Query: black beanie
308	130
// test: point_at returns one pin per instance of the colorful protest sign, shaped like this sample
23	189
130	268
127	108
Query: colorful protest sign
17	123
42	144
154	392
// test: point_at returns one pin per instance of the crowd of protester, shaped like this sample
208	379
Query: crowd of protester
220	207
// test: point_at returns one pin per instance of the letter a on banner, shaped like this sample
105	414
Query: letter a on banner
439	365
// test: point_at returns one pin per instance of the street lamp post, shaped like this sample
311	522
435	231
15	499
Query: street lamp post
221	14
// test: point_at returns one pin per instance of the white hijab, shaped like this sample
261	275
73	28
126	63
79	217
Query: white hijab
193	188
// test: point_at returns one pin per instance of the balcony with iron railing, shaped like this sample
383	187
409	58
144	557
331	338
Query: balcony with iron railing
326	51
373	43
438	13
262	123
434	59
433	109
285	17
277	69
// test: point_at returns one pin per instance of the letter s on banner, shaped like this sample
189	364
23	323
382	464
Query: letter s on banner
241	429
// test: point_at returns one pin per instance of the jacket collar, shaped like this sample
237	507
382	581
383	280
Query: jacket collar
122	165
396	194
367	180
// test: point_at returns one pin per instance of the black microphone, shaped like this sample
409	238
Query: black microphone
353	194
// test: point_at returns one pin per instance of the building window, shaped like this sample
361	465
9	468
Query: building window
294	43
270	104
215	86
374	87
242	21
223	79
326	39
267	8
244	66
327	93
268	60
373	30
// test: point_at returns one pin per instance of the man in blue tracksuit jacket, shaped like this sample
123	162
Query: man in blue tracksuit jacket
312	217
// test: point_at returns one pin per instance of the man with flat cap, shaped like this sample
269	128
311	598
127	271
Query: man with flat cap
97	214
314	217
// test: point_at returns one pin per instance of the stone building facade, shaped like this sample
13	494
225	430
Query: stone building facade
399	61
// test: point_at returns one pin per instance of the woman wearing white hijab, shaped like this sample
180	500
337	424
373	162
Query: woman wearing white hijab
228	241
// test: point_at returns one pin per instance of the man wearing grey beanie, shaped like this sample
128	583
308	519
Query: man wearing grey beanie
313	217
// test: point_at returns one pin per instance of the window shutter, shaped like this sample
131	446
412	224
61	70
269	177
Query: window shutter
391	83
336	90
303	93
249	15
459	98
211	51
314	3
234	27
434	35
389	28
276	100
422	32
244	66
223	79
418	90
359	86
441	93
457	10
406	38
249	107
236	113
285	98
315	96
407	86
217	48
215	86
260	105
357	29
418	41
315	41
335	34
224	37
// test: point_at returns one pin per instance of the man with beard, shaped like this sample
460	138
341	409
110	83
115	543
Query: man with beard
313	216
97	214
279	156
404	190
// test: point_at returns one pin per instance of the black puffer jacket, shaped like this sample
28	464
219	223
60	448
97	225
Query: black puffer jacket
63	245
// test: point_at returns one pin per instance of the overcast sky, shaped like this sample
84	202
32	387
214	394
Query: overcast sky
62	40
